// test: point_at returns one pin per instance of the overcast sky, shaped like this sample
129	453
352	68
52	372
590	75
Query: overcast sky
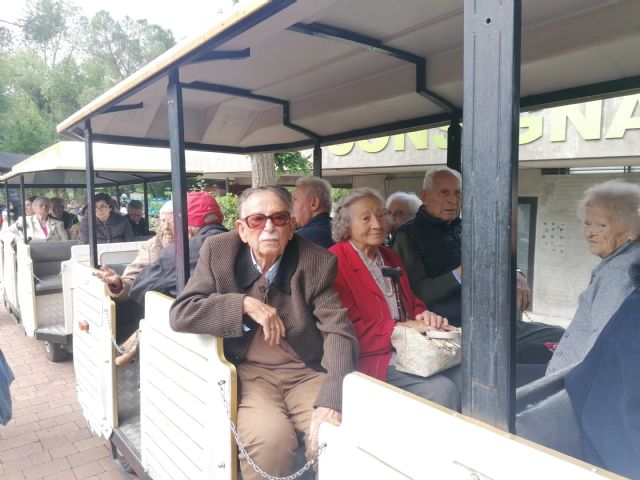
183	17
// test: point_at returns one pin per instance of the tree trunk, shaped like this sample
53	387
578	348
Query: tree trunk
263	169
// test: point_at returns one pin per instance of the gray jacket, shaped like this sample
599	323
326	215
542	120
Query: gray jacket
160	276
610	284
115	230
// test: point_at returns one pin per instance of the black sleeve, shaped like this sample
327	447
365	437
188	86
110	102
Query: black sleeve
159	276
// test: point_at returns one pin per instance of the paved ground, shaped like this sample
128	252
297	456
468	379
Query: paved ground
48	437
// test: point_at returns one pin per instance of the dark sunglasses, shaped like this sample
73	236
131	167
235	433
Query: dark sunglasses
279	219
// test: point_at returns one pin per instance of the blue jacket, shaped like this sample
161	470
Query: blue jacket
605	390
6	377
318	230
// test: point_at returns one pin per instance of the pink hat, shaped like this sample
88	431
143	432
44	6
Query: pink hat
199	205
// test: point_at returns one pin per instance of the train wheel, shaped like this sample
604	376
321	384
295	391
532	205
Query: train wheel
55	352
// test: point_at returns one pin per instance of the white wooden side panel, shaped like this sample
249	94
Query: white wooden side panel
66	270
388	434
80	254
26	289
184	428
9	276
93	352
1	268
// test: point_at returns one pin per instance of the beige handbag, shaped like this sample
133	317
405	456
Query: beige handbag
425	355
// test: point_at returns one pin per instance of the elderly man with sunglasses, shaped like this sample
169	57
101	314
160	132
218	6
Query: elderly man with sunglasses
269	293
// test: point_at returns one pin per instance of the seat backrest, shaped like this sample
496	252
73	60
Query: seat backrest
47	256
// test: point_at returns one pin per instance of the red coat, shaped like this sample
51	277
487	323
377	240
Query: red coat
367	307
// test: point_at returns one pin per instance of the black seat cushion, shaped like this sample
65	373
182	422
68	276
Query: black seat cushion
46	284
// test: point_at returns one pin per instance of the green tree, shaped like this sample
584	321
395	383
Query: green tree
122	47
52	28
229	206
59	61
293	163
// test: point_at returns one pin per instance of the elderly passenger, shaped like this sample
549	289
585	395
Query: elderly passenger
401	207
311	207
605	391
28	205
204	219
110	226
119	286
58	212
430	245
268	293
360	227
40	226
135	214
611	230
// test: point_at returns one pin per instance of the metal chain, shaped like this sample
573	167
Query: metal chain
250	461
119	349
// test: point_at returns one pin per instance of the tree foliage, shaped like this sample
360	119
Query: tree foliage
58	60
293	163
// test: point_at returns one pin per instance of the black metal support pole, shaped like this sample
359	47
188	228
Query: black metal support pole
492	31
317	160
23	201
91	207
145	191
6	195
454	144
178	179
117	196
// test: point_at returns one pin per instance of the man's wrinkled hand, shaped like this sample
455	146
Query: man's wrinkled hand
110	277
320	414
267	317
523	292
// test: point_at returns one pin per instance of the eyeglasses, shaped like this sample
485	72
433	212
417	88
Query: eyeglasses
103	207
279	219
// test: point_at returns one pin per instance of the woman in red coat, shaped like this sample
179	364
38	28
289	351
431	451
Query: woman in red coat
360	228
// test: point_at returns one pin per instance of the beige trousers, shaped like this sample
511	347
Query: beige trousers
275	405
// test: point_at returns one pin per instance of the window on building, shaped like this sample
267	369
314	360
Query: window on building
527	211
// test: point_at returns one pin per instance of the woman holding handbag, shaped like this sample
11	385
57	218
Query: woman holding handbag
360	227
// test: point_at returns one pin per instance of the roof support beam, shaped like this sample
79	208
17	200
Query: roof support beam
454	144
91	204
584	93
317	160
222	55
23	201
327	31
490	166
124	108
242	92
178	179
7	199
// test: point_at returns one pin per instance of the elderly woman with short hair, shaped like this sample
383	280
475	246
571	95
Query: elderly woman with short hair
402	206
611	229
360	226
41	227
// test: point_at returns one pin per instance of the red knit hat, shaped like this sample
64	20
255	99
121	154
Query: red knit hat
199	205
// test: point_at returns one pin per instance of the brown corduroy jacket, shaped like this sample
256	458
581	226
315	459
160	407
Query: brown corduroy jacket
317	327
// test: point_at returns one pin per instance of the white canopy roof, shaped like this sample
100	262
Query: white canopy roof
64	164
340	70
